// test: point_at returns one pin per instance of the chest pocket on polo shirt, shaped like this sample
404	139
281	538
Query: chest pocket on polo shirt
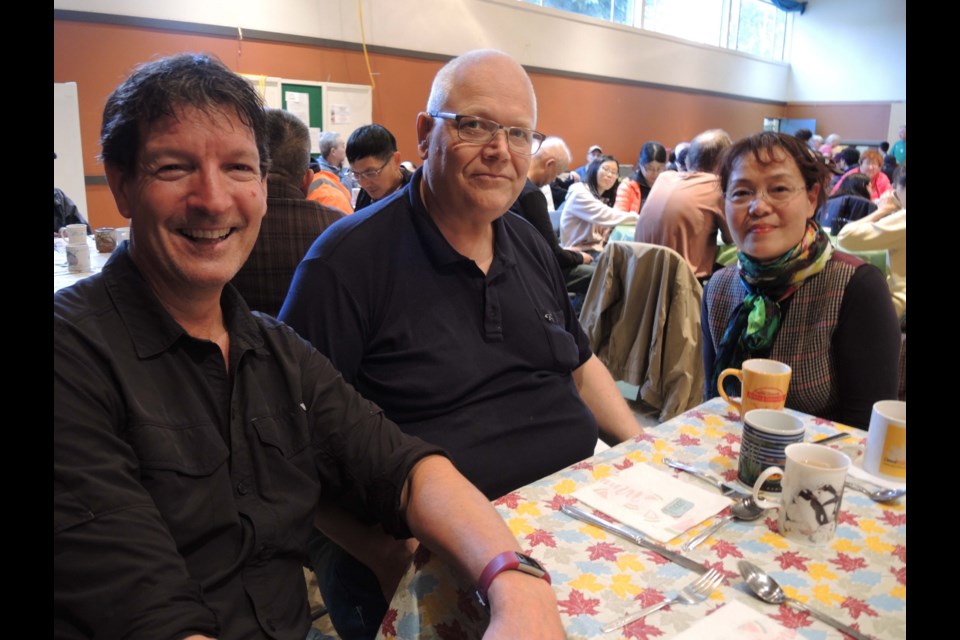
562	345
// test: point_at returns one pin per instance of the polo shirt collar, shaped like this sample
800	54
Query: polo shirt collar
152	329
436	246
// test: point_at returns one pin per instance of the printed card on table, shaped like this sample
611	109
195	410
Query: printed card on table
652	501
737	621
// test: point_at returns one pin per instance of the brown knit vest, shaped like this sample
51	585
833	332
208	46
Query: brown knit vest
805	338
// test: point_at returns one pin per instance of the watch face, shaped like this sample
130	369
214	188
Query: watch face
531	566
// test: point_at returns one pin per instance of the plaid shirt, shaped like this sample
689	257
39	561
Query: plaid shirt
291	225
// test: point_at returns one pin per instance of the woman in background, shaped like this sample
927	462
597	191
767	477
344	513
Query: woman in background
586	221
870	163
851	202
633	193
791	297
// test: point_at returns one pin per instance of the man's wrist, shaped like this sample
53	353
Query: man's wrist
508	561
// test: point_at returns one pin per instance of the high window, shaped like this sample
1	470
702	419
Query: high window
751	26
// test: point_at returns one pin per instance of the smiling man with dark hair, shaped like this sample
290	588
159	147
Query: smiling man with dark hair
195	442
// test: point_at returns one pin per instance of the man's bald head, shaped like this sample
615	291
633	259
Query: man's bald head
705	150
454	71
551	160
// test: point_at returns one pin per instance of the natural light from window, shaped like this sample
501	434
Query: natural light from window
751	26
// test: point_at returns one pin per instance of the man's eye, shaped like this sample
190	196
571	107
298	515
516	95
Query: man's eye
171	170
475	125
520	134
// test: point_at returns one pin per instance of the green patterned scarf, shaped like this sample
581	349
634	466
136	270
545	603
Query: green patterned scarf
755	322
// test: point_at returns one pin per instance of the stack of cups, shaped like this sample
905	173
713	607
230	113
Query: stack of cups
767	429
77	250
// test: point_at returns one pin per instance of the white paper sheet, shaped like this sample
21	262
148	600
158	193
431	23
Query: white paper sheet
737	621
637	496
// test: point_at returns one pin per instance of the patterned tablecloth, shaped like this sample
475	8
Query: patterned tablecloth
859	577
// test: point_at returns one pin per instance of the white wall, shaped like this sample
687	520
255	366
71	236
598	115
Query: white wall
849	50
536	37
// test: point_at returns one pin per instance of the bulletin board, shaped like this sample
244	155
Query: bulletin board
324	106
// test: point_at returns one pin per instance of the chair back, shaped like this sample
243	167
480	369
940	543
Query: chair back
555	218
642	317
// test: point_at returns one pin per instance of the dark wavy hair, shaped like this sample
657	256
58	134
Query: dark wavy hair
159	88
591	173
766	147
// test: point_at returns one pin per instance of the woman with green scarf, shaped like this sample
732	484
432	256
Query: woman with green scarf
791	296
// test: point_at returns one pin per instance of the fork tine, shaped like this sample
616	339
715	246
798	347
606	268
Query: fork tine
704	579
713	583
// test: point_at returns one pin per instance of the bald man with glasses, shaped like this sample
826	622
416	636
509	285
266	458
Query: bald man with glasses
452	316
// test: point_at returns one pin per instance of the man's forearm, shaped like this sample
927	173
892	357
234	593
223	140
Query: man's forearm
452	518
600	393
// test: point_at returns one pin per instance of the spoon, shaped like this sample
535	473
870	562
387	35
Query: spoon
767	589
880	494
744	508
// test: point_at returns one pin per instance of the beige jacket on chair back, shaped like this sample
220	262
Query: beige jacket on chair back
642	316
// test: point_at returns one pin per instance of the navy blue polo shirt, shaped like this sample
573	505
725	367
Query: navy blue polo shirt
477	363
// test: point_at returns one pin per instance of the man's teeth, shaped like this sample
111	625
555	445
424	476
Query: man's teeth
206	234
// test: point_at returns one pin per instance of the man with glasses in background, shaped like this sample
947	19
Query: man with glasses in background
375	164
454	318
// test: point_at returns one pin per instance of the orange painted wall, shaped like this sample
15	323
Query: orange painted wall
620	117
853	122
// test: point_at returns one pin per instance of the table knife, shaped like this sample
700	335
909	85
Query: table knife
634	536
836	436
726	488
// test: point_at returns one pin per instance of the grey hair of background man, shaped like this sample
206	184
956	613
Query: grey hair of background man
705	150
556	148
443	82
164	87
288	140
329	140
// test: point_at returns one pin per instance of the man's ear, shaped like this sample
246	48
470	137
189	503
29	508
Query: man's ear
119	183
424	126
307	181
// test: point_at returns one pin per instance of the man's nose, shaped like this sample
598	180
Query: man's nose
498	144
211	192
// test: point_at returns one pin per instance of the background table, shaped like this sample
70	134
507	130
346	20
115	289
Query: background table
860	577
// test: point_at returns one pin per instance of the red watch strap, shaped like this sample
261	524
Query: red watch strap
506	561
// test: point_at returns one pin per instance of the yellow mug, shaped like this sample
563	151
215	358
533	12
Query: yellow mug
764	385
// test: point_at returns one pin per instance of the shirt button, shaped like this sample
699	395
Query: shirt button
242	489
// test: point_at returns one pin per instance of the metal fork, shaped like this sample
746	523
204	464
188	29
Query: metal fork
693	593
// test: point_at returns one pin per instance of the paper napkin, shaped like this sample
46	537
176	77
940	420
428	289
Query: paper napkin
737	621
652	501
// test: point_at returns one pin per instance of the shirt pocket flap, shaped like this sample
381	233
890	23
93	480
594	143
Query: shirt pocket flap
287	431
194	450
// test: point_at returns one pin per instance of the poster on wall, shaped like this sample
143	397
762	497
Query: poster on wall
299	105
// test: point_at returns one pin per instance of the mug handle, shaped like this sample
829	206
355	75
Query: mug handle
769	471
724	374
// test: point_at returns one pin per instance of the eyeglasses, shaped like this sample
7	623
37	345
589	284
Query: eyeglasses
610	172
370	174
476	130
741	196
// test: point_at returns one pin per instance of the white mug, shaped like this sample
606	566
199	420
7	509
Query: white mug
812	488
78	258
74	233
885	454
